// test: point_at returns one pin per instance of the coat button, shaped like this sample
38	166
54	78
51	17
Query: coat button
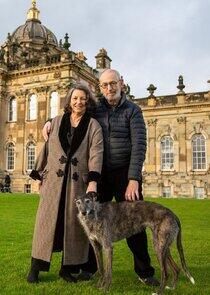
63	160
74	161
60	173
75	176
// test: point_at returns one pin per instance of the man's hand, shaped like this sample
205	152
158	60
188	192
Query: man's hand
132	191
92	187
46	130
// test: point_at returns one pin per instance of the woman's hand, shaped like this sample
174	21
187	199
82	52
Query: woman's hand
92	187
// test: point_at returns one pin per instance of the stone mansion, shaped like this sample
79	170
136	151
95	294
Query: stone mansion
35	73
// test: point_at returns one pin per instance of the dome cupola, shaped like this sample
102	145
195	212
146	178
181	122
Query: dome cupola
33	31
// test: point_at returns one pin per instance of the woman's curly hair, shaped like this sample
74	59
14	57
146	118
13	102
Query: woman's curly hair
90	104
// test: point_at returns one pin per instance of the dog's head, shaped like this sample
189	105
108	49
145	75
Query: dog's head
86	204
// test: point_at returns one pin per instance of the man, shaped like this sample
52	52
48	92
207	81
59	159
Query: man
124	135
7	183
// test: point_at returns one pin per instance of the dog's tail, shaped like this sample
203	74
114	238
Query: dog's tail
182	258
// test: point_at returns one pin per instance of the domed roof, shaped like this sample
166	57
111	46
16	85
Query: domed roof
33	30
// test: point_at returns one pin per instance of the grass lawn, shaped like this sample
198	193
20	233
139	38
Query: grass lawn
17	216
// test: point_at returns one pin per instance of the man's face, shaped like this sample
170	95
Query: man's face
111	86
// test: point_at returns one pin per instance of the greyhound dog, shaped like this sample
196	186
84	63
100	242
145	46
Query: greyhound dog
110	222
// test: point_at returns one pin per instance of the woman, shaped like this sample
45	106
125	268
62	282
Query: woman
68	166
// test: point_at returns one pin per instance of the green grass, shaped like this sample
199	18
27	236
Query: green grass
17	215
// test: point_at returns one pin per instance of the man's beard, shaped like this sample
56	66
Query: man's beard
113	100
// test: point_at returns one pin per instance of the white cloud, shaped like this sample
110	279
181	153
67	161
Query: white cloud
149	41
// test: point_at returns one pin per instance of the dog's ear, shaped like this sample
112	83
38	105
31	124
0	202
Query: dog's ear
78	198
76	201
95	196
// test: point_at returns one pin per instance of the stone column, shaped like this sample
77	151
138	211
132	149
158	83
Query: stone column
62	94
151	142
182	144
3	118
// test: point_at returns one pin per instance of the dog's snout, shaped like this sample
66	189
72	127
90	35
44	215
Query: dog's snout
84	213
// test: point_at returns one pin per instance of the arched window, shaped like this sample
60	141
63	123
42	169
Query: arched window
30	156
167	153
32	107
10	163
12	109
198	152
53	104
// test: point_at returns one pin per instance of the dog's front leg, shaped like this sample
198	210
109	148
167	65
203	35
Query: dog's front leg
98	253
107	276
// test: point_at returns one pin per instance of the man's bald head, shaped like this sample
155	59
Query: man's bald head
111	86
110	72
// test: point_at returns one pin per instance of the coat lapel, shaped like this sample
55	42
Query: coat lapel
79	134
64	128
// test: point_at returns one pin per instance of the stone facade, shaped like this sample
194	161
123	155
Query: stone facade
179	118
34	64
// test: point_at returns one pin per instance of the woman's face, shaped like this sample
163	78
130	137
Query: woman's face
78	102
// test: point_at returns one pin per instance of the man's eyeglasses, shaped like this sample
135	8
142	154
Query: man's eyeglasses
112	84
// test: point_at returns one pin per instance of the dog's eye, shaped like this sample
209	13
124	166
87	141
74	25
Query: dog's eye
87	201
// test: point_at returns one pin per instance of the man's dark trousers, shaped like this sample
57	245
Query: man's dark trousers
114	184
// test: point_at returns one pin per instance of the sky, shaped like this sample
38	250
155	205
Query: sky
149	41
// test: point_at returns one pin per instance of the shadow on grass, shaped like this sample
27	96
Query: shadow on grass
48	277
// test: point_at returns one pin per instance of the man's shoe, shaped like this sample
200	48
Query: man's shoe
84	276
33	277
67	277
150	281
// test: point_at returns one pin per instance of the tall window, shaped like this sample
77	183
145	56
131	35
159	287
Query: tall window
10	156
12	109
199	152
167	191
32	107
167	153
30	156
53	104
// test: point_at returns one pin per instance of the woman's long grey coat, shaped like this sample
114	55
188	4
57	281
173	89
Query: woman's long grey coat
85	162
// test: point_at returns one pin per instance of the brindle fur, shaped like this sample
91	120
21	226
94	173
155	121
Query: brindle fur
110	222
